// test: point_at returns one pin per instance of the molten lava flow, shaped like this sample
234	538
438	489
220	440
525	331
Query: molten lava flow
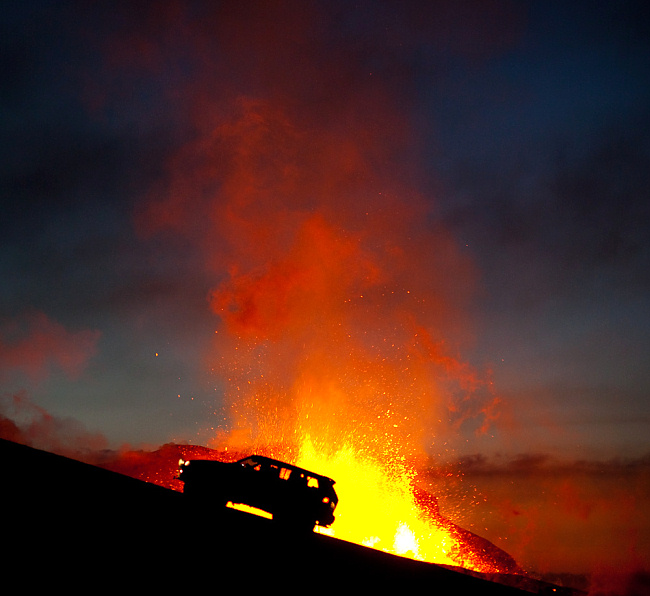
377	507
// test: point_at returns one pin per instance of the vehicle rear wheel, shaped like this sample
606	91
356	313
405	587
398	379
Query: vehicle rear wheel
205	497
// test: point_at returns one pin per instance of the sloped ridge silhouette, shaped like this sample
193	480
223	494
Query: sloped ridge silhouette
76	525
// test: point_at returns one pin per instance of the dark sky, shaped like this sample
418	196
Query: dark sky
523	127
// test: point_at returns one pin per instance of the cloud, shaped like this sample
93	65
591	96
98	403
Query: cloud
298	186
553	514
23	421
35	343
603	198
569	211
31	348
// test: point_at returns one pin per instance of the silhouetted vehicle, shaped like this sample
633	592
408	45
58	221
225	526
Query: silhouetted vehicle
294	497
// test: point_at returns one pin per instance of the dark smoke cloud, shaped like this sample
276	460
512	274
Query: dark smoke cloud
579	214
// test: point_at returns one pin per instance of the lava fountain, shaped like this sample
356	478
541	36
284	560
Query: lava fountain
337	294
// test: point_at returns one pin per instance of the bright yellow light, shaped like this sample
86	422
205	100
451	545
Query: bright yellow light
376	506
249	509
406	543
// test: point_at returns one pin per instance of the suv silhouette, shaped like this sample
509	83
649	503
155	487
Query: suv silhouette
294	497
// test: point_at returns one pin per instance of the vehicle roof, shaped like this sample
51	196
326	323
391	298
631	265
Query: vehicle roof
268	460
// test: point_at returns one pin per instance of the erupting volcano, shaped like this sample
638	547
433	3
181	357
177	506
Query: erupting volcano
397	244
336	314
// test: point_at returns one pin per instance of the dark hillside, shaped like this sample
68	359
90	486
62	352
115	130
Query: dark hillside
73	525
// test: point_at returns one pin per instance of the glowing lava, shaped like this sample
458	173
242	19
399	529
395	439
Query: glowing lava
377	507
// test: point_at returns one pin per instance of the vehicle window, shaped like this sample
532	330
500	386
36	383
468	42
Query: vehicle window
285	473
312	482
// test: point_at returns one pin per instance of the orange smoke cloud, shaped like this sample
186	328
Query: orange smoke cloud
337	293
343	304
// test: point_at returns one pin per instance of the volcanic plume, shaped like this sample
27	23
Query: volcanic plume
287	141
330	272
340	300
336	295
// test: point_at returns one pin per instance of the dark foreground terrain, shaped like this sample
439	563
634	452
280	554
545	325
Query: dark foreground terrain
82	528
